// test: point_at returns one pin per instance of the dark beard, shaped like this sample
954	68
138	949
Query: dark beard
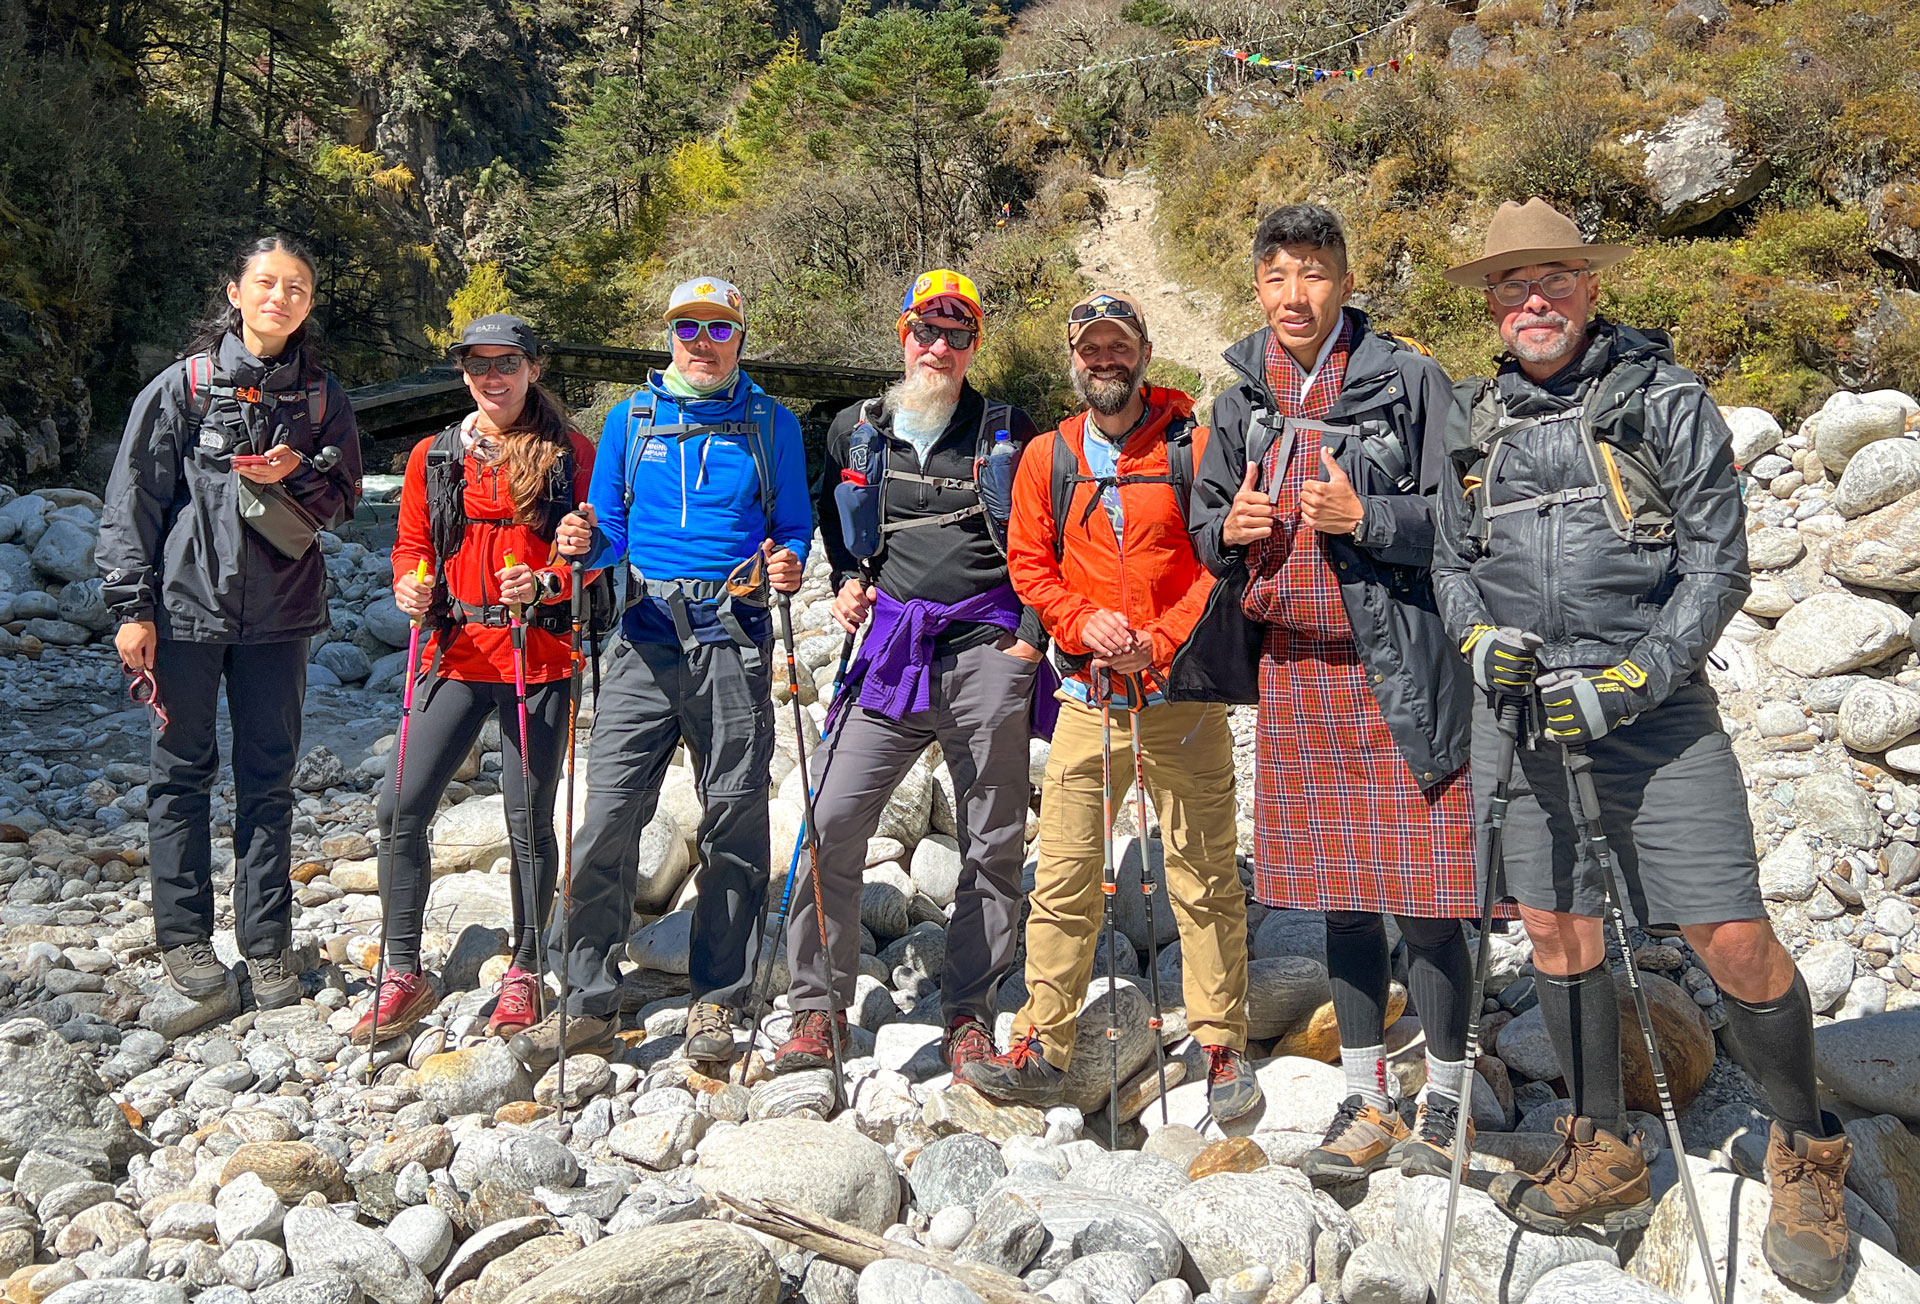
1107	397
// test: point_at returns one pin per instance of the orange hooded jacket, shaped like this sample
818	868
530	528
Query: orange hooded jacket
1165	585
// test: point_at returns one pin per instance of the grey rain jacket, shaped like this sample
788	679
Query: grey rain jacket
1419	679
1561	571
172	545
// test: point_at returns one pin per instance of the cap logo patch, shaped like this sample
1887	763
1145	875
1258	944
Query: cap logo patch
705	287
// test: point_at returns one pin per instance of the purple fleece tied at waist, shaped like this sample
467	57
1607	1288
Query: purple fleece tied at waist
894	667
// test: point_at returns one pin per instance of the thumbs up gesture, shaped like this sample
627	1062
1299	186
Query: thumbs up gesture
1330	505
1251	516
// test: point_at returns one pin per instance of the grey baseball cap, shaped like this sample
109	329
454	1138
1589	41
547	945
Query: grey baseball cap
498	328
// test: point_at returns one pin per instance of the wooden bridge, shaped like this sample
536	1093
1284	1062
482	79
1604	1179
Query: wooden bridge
426	402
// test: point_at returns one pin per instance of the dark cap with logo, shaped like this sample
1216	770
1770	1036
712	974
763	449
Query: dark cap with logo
498	328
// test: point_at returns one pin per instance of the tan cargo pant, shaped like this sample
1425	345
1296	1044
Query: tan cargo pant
1189	772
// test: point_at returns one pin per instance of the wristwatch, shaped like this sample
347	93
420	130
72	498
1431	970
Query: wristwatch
549	582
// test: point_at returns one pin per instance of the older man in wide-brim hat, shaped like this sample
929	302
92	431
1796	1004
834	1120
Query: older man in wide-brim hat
1590	557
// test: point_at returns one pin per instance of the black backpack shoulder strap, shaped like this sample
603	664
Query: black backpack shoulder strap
199	386
1180	462
1063	475
995	419
640	409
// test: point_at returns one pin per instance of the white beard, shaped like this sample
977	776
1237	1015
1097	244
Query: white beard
921	405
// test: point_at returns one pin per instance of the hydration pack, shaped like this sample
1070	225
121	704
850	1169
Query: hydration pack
861	493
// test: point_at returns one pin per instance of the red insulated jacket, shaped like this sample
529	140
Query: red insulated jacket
1152	577
474	652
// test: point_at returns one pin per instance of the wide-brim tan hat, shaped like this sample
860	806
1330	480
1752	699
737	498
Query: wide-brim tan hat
1533	232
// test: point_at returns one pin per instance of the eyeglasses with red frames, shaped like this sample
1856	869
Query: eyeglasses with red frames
145	692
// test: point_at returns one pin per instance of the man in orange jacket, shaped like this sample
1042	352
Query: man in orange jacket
1116	582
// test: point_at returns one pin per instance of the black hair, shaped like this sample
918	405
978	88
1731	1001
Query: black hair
1313	225
221	318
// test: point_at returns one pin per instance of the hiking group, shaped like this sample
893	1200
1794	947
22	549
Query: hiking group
1473	619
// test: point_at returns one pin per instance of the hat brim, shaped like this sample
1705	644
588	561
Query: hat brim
704	312
1473	275
460	350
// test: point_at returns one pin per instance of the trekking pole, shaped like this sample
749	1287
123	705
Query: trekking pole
516	618
1136	700
578	613
812	834
763	983
1109	885
386	844
1580	765
1508	715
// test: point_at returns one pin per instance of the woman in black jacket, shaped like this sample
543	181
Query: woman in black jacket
234	458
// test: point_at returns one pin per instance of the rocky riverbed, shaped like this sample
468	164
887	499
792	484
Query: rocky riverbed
158	1150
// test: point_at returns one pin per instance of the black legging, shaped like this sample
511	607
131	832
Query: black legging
438	740
1439	978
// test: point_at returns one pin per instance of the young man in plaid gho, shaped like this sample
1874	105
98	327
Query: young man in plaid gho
1314	494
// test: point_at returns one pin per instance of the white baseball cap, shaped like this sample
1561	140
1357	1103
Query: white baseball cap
707	298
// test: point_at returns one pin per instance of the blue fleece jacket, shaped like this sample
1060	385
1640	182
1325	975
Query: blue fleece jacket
696	510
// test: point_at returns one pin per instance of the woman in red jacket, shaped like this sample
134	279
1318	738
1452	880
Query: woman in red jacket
478	494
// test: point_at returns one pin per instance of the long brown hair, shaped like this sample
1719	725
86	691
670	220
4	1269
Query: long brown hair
541	435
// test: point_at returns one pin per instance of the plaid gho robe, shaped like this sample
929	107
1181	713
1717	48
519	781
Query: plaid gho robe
1339	822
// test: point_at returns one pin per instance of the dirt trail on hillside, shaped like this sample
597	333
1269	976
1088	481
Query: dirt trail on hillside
1123	253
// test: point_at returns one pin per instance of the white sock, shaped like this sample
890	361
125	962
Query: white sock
1367	1077
1444	1078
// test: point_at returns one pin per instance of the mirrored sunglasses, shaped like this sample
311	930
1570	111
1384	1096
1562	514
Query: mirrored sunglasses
507	364
1100	309
687	330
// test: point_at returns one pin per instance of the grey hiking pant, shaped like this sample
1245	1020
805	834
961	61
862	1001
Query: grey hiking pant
653	697
979	714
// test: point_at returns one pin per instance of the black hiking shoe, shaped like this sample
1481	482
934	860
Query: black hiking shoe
275	981
1022	1075
1232	1090
193	970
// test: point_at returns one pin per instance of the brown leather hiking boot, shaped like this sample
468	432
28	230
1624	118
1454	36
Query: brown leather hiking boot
1806	1238
1358	1141
809	1043
1429	1151
1593	1179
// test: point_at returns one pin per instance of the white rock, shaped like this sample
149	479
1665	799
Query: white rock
936	868
1881	473
1874	715
469	836
1789	873
666	945
1828	970
1755	433
1495	1260
1593	1283
1301	1095
1831	633
1846	428
1231	1221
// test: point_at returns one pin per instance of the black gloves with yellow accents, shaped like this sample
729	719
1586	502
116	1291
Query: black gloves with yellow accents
1503	659
1578	706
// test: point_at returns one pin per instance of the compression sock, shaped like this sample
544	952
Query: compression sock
1776	1041
1582	1014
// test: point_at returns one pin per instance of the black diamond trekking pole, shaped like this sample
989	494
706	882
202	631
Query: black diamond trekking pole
1136	701
1587	796
517	620
1509	713
1109	885
564	903
812	832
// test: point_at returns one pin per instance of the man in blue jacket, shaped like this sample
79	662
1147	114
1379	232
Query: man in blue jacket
700	495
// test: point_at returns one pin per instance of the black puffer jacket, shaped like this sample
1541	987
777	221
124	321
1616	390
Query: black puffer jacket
1417	675
172	545
1561	571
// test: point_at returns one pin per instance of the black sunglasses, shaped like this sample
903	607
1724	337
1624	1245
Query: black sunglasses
507	364
959	338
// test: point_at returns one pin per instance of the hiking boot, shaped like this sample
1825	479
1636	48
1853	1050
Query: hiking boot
539	1046
1232	1090
710	1033
1429	1151
1806	1237
1358	1141
275	982
193	970
1022	1075
403	1000
518	1005
1594	1179
969	1041
809	1043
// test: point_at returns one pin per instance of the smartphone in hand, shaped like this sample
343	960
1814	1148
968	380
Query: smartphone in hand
249	459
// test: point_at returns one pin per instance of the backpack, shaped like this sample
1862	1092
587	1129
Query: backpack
1220	661
862	498
204	385
1612	424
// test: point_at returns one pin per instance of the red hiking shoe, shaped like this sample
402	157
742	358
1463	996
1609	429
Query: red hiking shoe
1022	1075
519	1005
403	1000
809	1044
969	1041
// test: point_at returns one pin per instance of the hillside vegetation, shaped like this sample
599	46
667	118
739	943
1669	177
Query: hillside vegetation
573	160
